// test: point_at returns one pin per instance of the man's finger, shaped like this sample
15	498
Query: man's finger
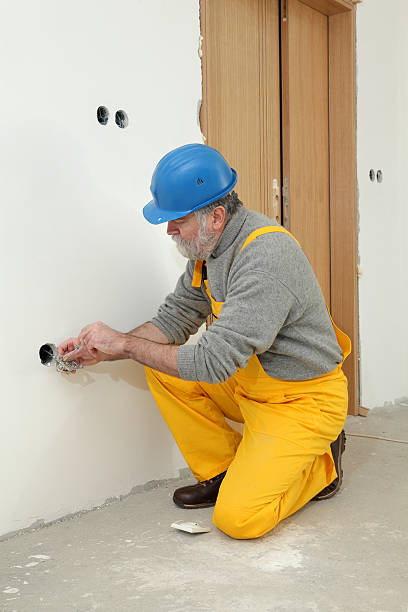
67	346
78	352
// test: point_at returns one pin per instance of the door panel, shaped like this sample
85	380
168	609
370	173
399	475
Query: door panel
305	133
257	110
241	110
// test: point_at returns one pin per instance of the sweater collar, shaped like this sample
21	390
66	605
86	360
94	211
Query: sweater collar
230	232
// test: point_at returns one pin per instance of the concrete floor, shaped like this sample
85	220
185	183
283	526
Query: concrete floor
347	553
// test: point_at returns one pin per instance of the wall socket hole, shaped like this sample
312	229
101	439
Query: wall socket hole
102	114
121	119
379	176
371	174
48	352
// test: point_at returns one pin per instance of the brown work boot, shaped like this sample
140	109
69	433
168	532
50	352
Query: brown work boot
201	495
337	448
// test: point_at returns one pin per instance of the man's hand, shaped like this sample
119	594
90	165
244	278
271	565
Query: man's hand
69	346
98	343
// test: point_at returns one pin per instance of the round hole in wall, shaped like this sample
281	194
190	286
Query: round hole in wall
102	114
379	176
48	352
121	119
371	174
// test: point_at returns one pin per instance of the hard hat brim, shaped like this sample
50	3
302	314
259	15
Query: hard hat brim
155	215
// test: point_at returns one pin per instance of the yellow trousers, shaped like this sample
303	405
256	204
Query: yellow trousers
283	458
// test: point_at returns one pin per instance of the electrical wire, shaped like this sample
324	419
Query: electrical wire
376	437
61	364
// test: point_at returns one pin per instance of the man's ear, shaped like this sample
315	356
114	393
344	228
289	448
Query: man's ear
218	218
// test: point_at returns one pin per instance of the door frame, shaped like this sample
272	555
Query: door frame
341	16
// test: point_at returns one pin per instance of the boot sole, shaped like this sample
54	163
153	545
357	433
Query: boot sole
192	506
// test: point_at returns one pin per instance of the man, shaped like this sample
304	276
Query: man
272	358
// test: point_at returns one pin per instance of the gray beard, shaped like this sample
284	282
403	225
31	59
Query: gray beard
200	248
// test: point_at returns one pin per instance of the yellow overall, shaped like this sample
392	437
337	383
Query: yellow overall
283	458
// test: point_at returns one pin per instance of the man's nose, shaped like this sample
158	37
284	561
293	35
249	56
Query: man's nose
172	228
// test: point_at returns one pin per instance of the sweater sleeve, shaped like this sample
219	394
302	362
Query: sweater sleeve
256	308
184	310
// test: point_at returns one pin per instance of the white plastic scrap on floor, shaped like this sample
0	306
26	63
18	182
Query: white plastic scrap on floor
190	527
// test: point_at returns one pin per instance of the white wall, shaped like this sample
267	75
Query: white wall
75	247
382	135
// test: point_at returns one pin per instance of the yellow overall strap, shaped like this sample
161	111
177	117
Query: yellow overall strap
198	272
266	230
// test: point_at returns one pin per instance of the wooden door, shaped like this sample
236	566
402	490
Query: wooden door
240	114
279	84
305	134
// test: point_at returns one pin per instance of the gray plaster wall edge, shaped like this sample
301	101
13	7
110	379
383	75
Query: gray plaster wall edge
148	486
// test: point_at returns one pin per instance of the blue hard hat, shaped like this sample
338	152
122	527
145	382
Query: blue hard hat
186	179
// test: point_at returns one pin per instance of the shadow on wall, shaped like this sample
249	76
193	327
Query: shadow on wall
126	370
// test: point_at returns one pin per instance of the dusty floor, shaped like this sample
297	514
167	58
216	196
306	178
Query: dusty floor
348	553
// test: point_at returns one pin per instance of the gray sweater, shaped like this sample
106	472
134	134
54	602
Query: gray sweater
273	307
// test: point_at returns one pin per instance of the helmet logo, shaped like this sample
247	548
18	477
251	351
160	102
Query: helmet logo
200	181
